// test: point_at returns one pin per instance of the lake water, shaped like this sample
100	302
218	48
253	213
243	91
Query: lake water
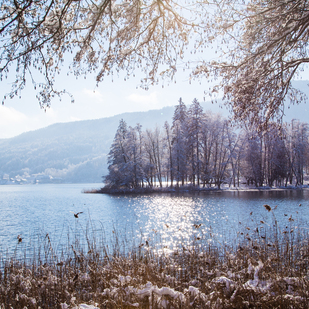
168	220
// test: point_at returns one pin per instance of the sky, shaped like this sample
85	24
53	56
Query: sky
91	102
108	99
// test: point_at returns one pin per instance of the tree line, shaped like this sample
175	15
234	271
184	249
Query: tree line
203	149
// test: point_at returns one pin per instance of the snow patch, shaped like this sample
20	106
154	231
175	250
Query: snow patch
84	306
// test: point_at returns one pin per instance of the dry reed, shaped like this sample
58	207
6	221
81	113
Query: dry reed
267	267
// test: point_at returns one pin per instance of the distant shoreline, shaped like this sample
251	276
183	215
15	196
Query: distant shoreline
191	189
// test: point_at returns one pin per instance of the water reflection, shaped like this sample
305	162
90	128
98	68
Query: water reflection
218	218
162	221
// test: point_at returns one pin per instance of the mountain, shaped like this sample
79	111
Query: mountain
77	151
74	151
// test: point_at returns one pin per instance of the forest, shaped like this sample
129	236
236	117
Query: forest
205	150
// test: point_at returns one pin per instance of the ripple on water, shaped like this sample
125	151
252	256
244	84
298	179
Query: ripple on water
166	220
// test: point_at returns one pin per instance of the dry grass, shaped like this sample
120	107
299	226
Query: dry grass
265	268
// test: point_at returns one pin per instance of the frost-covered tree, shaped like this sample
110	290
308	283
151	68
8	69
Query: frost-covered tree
118	158
134	166
222	151
275	155
170	159
125	159
208	138
228	164
298	135
155	154
179	129
103	37
194	124
205	149
263	45
252	166
141	152
235	153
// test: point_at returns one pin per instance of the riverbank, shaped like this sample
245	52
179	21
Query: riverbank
189	188
267	270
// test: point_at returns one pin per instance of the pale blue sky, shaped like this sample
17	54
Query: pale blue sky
110	98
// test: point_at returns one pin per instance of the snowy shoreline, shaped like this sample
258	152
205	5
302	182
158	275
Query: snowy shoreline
191	189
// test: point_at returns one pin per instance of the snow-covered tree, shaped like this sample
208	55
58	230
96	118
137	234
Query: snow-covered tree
275	155
179	129
222	151
204	149
103	37
141	150
207	142
134	166
228	163
235	149
298	136
252	166
118	158
194	124
154	150
125	159
170	159
263	45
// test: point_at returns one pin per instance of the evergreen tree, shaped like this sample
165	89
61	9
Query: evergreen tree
118	158
134	168
179	129
195	119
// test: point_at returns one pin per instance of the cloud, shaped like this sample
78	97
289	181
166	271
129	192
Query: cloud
10	116
148	99
12	122
72	118
93	94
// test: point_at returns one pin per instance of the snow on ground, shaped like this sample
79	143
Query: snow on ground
244	187
81	306
166	296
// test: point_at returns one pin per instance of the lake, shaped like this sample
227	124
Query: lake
166	220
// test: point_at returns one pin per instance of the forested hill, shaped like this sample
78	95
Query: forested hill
74	151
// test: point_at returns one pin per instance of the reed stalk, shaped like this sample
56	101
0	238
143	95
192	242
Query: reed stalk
264	267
